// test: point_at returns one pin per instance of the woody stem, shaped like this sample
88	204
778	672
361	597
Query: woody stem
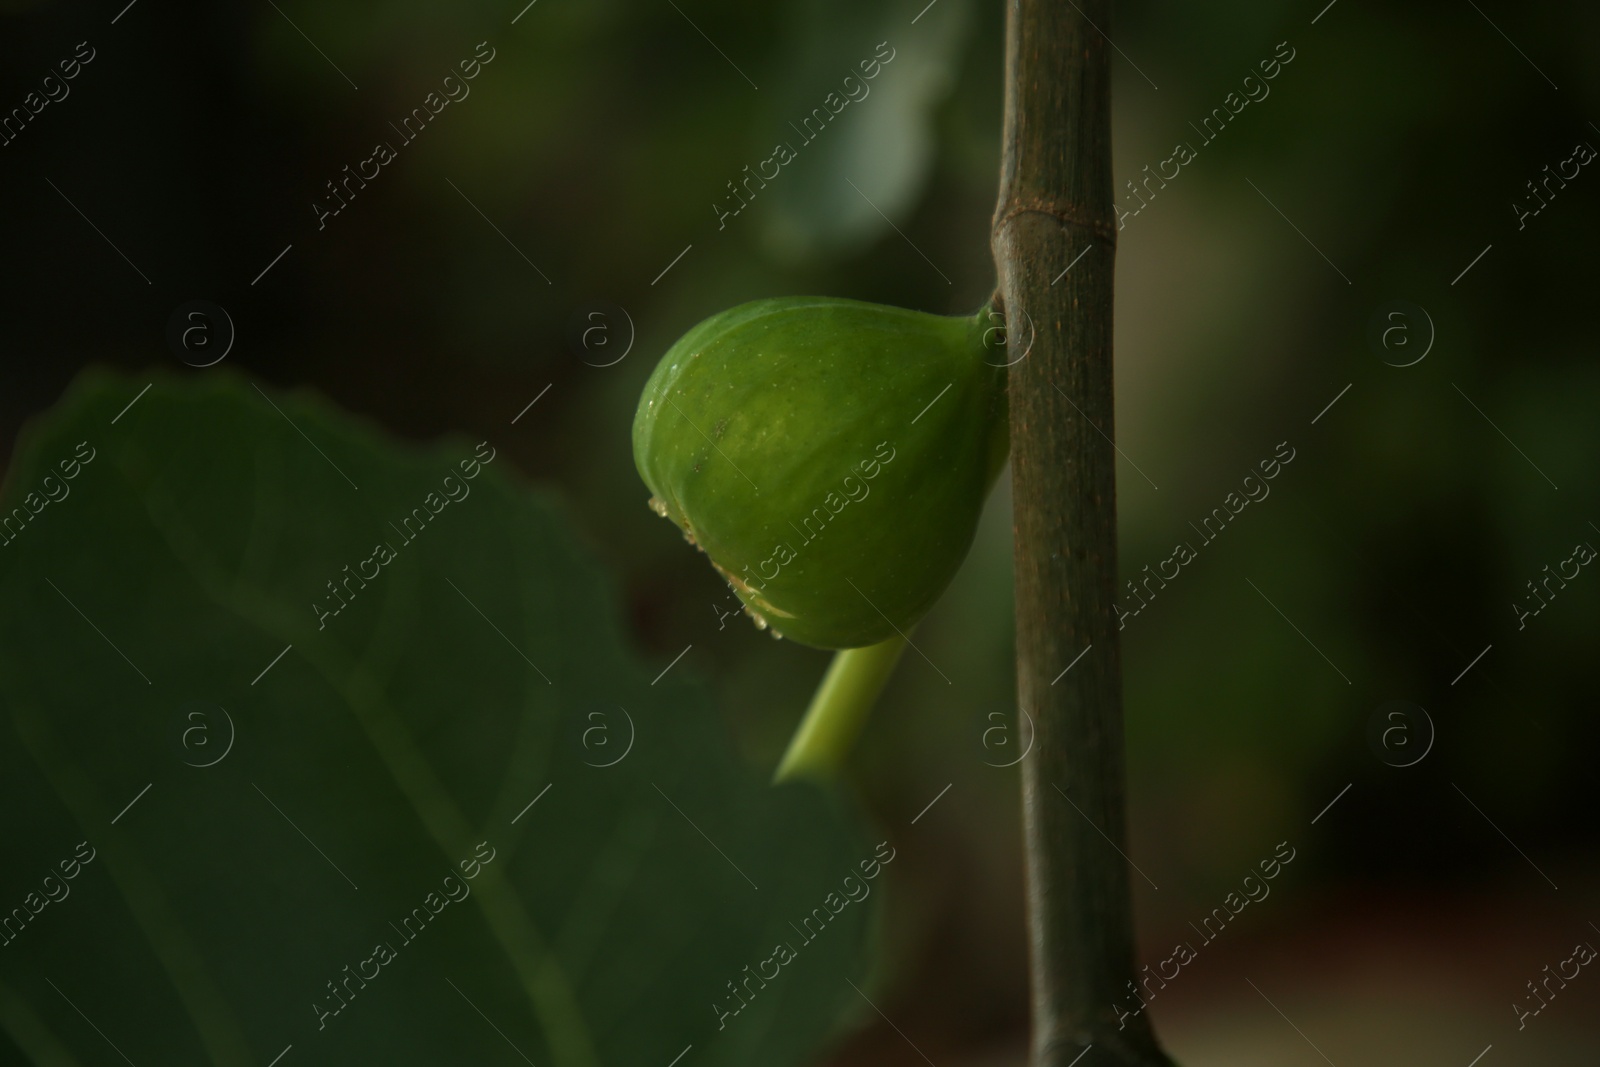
1055	204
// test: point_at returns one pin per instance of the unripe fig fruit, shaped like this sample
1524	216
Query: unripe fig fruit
830	456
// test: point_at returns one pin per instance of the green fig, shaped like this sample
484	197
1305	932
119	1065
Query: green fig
830	456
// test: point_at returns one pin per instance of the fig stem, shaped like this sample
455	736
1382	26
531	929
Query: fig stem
854	680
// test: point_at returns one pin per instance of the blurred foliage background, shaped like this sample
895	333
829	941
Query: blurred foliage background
595	146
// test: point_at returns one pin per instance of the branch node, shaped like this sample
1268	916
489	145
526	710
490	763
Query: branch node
1069	215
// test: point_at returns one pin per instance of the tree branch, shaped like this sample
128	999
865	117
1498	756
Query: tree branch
1055	205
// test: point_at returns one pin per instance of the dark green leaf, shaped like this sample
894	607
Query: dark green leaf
481	669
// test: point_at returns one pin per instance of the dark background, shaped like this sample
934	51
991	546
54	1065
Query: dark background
1415	510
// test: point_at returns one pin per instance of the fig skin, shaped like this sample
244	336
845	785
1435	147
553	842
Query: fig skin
831	456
